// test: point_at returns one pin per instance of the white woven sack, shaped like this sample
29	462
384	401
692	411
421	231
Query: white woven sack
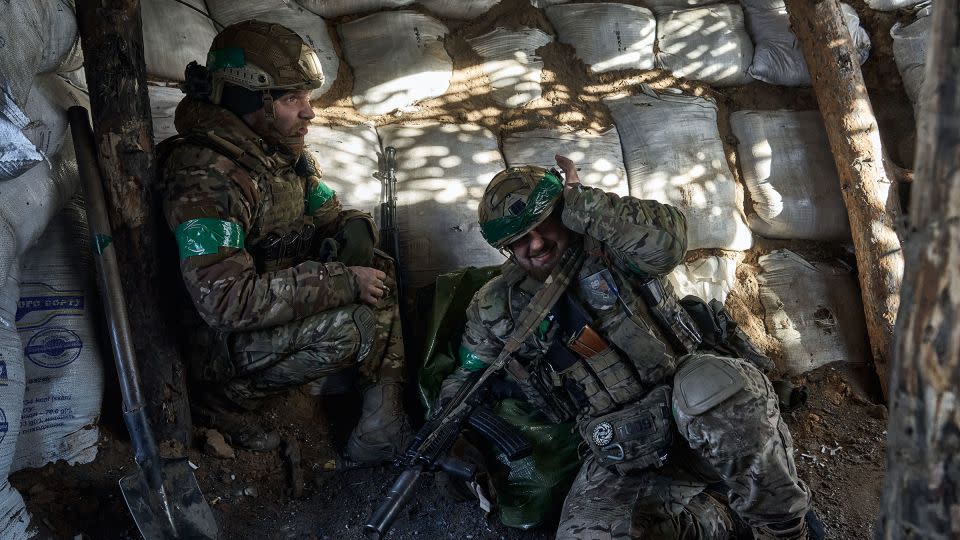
17	152
36	36
63	361
511	63
664	6
709	278
673	154
598	157
892	5
14	517
397	58
163	107
777	57
546	3
814	310
910	53
227	12
314	32
790	174
348	158
442	171
336	8
607	36
458	9
174	35
708	44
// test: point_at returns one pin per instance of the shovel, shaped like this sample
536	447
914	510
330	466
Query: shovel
163	496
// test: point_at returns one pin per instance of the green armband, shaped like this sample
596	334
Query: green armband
318	196
204	236
470	361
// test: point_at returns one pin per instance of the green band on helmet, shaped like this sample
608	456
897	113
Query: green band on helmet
203	236
224	58
470	361
320	195
541	198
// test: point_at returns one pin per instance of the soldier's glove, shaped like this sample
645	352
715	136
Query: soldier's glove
356	247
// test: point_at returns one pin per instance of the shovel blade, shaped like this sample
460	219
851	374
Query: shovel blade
175	510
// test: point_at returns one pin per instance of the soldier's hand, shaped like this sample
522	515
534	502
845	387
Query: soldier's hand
569	169
370	283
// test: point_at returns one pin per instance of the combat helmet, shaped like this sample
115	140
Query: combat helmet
260	57
516	201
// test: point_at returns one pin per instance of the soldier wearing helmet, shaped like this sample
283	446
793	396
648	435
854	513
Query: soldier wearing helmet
287	284
681	430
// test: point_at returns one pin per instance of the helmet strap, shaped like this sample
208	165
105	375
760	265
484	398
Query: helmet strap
268	105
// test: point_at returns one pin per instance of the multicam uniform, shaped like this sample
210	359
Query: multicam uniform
250	221
641	383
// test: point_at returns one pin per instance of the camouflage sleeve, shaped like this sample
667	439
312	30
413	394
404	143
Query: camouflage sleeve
327	210
649	237
225	287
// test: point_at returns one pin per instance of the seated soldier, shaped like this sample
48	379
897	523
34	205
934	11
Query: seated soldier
680	440
287	282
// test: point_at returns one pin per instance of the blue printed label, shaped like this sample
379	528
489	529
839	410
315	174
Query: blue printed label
3	374
4	426
47	303
53	347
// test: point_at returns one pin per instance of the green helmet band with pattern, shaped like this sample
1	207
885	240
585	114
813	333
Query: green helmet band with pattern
500	231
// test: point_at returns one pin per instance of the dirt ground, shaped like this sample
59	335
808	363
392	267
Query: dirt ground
839	435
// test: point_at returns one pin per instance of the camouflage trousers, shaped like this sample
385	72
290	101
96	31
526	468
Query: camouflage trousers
741	444
280	358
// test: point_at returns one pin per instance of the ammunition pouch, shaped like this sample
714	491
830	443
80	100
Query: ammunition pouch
276	252
721	333
675	322
634	438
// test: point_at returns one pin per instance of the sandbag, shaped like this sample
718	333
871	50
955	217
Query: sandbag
348	158
607	36
511	63
777	56
458	9
442	171
665	6
163	107
336	8
36	36
174	35
598	156
673	154
708	44
910	53
709	278
17	152
892	5
814	310
397	58
63	361
791	176
546	3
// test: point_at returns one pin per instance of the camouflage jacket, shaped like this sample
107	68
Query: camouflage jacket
634	240
210	195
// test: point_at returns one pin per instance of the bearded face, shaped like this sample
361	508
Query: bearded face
292	113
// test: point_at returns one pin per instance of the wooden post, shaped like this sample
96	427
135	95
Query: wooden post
921	498
112	41
855	142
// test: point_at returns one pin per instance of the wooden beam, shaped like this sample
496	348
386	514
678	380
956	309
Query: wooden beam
112	41
865	184
921	498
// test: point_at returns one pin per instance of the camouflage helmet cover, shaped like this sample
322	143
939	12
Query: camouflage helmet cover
261	56
517	200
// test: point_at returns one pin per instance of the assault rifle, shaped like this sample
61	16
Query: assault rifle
389	234
428	451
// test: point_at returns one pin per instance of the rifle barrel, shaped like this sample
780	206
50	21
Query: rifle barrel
397	497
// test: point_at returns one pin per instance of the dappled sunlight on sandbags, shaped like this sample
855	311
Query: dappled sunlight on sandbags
336	8
598	157
777	57
673	154
910	53
663	6
814	310
709	278
511	63
708	44
397	58
607	36
458	9
163	107
348	158
791	175
175	33
442	171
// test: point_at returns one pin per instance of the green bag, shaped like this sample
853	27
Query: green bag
532	492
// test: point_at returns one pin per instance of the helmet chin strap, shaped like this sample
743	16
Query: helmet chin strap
293	144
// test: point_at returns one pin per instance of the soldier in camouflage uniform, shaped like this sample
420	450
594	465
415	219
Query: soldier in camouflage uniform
286	280
680	441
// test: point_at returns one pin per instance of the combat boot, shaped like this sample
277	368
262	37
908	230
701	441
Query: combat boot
383	432
807	528
239	430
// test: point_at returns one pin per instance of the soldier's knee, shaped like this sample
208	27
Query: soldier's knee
705	381
366	324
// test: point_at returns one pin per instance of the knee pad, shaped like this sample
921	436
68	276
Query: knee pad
703	382
366	323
